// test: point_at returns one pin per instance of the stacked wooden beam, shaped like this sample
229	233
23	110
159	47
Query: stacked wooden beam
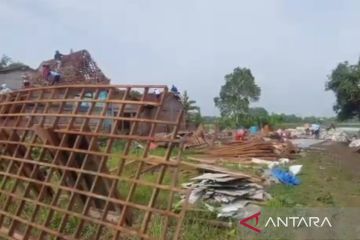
254	148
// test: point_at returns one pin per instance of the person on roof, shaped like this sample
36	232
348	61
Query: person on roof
157	93
53	77
174	89
57	57
45	71
50	76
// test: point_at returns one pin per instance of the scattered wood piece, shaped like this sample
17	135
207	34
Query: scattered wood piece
218	169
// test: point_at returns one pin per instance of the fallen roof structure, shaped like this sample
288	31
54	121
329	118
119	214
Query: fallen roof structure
55	160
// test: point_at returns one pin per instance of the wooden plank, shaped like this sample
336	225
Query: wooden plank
211	168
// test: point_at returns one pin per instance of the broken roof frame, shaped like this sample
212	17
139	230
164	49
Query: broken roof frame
54	159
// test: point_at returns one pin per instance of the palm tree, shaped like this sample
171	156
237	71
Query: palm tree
191	111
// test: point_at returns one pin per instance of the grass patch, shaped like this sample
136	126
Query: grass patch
323	184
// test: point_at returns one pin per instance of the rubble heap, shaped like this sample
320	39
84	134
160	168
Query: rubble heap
233	193
75	68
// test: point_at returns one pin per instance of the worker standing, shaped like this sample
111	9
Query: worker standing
315	130
58	57
157	93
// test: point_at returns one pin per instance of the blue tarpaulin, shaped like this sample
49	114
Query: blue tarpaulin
285	177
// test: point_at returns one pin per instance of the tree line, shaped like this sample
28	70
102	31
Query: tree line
7	62
240	90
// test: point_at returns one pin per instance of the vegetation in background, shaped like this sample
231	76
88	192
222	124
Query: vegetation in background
235	96
234	101
7	62
344	81
192	112
258	116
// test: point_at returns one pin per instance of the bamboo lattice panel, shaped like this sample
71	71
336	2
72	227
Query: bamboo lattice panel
74	163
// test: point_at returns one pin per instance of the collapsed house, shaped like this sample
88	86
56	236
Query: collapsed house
75	68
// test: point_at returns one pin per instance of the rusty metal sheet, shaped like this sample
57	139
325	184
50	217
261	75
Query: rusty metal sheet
63	164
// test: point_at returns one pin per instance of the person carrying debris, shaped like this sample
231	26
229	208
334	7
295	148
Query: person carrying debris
315	130
51	77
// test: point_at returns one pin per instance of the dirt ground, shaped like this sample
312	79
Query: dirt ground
344	157
330	177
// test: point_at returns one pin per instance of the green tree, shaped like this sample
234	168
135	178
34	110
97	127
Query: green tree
258	112
344	81
275	119
6	62
192	112
236	94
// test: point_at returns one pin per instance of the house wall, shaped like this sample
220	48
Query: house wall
170	112
13	79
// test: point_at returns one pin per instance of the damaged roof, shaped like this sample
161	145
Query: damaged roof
75	68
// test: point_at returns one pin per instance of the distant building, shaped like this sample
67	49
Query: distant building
14	76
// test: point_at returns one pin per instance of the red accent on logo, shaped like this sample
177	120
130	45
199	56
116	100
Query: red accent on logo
244	222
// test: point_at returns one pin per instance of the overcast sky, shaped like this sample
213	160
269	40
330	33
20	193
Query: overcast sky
290	46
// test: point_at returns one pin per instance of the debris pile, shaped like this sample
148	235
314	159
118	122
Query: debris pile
233	193
254	148
75	68
355	144
196	139
335	135
298	132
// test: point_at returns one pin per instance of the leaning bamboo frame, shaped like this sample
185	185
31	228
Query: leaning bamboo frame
55	150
